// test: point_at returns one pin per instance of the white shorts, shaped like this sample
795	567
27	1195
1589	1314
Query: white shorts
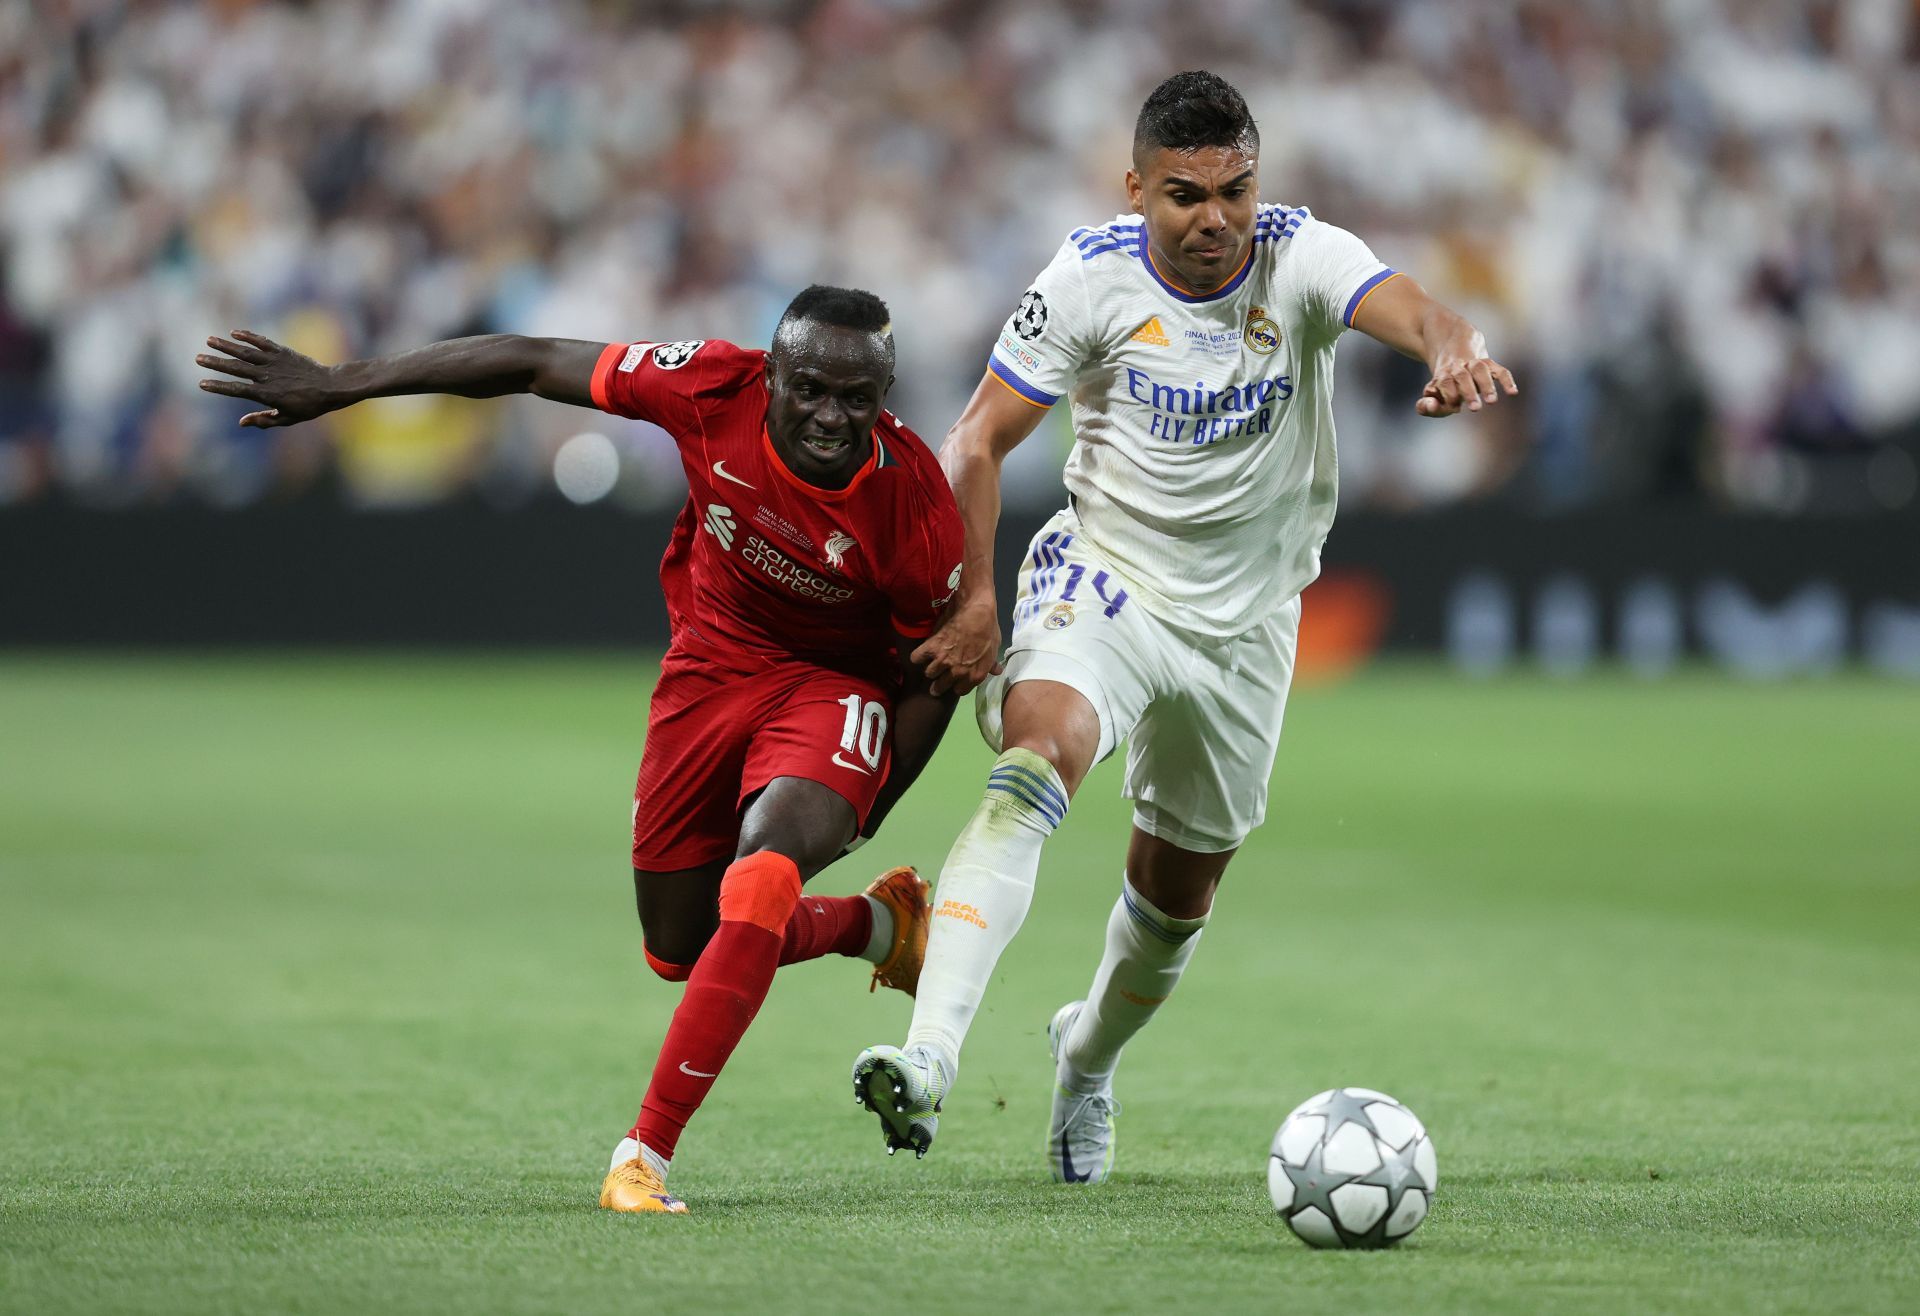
1201	716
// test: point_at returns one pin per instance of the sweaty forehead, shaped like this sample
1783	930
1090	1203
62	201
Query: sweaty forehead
841	355
1211	165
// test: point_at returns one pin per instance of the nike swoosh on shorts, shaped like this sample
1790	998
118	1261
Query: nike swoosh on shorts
848	763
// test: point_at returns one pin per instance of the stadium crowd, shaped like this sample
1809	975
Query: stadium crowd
1677	220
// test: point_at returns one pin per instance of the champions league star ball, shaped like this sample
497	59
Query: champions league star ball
1352	1168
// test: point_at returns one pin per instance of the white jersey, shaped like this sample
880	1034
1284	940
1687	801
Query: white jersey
1203	465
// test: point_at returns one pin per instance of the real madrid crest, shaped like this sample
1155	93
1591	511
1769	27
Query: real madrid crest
1262	335
1060	618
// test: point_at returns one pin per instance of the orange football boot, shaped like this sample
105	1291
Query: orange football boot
904	892
634	1186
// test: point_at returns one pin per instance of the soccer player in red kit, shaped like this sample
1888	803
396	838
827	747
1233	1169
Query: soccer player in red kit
818	543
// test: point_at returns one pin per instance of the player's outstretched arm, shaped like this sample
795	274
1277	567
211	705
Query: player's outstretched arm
291	387
965	650
1400	314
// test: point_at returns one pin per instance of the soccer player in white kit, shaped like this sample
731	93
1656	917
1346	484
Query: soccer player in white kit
1194	340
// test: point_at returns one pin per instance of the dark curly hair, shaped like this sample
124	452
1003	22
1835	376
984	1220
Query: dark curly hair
844	308
1191	110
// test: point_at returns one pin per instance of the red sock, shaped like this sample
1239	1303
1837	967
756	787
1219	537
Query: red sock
724	992
827	925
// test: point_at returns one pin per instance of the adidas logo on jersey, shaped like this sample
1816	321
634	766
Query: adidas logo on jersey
720	524
1151	334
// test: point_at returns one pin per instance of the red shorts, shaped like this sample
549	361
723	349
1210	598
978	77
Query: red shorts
715	736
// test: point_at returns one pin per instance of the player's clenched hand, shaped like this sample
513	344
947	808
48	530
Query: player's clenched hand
292	387
964	651
1465	384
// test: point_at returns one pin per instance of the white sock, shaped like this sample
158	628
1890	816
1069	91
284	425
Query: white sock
1146	953
982	898
880	940
630	1148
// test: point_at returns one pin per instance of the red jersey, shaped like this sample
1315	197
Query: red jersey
762	565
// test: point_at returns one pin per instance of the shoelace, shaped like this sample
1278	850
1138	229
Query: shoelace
641	1175
1099	1102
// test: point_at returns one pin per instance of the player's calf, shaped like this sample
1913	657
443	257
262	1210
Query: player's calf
985	890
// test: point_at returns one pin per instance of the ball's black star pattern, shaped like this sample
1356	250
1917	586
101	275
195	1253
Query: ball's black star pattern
1313	1183
1397	1174
1345	1108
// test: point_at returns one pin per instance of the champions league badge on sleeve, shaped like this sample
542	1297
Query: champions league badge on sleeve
1030	321
671	356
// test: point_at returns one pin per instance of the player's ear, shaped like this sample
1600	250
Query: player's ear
1135	191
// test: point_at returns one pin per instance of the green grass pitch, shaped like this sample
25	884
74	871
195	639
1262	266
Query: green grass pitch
323	992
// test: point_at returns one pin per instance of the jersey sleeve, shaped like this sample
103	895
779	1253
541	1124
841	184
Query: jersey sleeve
663	382
927	562
1048	336
1335	272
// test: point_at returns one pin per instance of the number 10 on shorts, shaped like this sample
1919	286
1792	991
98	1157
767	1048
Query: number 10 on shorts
865	732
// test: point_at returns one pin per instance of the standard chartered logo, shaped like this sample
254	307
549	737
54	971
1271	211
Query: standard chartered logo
720	524
778	566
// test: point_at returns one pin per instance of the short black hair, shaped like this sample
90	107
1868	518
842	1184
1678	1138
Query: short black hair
1192	110
845	308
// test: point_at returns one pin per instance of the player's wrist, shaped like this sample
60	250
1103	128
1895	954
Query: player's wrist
979	600
345	384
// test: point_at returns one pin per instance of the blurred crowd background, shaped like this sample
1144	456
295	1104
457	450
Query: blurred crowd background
1677	220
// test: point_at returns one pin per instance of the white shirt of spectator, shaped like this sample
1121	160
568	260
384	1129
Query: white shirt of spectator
1203	466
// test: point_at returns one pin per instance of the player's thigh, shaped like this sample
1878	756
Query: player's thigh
804	820
829	729
1075	629
1200	759
679	911
1055	721
686	800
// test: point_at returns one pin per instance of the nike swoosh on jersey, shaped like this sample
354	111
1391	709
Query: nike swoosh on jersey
720	469
848	763
694	1073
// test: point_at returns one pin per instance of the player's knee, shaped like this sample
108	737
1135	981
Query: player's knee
760	888
1175	879
1025	789
800	819
673	934
1058	756
1063	729
1178	896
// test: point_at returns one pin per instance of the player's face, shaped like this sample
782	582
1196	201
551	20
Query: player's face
825	388
1200	207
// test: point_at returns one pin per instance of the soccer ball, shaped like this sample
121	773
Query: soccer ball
1352	1168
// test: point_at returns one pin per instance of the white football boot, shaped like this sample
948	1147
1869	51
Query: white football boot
1080	1136
904	1088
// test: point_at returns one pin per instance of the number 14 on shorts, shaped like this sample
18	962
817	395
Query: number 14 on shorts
865	731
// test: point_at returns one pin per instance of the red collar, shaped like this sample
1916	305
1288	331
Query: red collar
813	490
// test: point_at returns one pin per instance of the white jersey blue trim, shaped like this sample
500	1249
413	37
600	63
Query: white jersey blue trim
1203	470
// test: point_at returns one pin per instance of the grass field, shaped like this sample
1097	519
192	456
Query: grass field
323	992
